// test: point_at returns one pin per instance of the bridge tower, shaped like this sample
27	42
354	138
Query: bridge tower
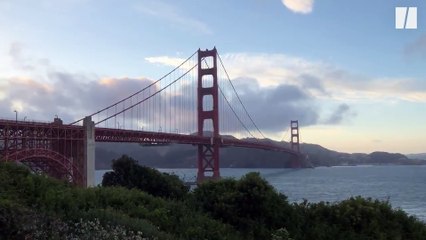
207	89
294	143
294	128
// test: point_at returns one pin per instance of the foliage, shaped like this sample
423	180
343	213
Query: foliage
116	209
19	222
37	207
95	230
253	207
357	218
250	204
127	173
281	234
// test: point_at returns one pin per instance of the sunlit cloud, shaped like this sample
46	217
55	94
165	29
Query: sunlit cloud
299	6
107	81
17	105
166	60
64	95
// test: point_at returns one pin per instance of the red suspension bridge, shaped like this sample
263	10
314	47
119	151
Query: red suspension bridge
195	103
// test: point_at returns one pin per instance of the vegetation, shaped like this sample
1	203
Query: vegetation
38	207
254	208
129	207
127	173
251	205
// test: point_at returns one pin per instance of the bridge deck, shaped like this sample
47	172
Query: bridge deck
37	130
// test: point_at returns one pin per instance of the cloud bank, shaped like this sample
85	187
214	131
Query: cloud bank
273	107
275	88
322	80
299	6
70	96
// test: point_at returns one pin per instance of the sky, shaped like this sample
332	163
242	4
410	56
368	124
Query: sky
355	83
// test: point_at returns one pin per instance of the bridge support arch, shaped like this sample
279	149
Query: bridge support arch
208	154
50	162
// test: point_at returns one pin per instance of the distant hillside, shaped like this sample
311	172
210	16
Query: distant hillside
418	156
320	156
184	156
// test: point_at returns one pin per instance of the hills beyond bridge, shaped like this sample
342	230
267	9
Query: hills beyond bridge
183	156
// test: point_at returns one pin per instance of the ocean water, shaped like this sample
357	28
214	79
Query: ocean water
403	186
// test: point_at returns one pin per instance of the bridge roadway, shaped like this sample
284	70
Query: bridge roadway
11	130
68	151
121	135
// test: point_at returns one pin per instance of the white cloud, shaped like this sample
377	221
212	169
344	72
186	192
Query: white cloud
165	60
325	80
40	100
173	62
321	80
299	6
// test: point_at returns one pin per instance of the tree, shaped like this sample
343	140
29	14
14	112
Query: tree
250	204
127	173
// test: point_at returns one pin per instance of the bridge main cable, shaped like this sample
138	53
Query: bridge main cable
145	99
136	93
238	97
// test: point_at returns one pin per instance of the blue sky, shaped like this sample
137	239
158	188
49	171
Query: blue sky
363	80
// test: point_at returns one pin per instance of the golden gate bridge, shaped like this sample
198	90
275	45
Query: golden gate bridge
195	103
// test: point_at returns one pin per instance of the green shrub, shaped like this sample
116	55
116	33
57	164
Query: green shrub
19	222
250	204
127	173
115	209
253	207
37	207
357	218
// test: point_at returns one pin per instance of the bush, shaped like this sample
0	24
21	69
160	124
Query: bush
357	218
19	222
250	204
127	173
253	207
98	210
37	207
